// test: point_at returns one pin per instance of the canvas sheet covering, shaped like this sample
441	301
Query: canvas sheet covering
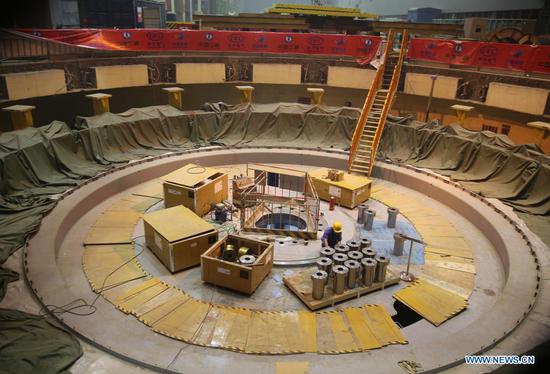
36	163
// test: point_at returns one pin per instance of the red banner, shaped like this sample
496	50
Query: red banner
454	52
211	41
483	54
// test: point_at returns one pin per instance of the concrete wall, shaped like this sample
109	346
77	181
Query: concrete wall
497	119
65	107
200	73
35	83
121	76
519	98
277	73
421	84
341	76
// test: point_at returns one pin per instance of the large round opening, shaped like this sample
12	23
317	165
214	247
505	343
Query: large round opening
281	221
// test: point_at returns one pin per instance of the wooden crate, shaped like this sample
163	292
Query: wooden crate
351	191
242	278
178	237
195	187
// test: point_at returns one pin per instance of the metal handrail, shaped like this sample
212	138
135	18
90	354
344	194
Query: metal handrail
388	102
361	122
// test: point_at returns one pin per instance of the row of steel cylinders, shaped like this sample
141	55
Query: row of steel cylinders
365	216
348	266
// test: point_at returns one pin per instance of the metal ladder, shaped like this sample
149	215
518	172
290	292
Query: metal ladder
370	125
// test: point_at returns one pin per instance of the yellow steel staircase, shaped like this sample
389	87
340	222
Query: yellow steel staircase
370	125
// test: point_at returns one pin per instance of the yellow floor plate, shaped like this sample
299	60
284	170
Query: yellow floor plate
108	266
151	189
169	311
109	235
432	302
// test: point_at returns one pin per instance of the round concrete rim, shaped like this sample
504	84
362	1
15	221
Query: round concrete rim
513	305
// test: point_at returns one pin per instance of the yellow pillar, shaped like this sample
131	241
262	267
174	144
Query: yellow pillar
21	116
543	126
101	102
462	112
316	95
246	94
174	97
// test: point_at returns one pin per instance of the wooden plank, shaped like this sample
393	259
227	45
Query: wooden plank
300	284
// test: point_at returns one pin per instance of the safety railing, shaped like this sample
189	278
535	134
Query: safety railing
389	100
361	122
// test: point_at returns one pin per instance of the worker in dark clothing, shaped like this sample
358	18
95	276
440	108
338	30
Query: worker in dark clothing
332	235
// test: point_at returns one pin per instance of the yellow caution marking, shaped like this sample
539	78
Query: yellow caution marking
109	266
291	367
184	321
343	338
361	330
430	301
232	329
308	327
133	299
382	326
156	314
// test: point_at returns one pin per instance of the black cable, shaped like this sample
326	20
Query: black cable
70	308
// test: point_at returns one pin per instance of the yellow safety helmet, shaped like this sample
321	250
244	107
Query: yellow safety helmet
337	226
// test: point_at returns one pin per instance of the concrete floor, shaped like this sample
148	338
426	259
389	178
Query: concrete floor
178	356
272	293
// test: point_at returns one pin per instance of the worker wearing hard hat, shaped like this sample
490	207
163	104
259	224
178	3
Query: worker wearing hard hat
332	235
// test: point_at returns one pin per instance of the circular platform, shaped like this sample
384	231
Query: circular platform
55	254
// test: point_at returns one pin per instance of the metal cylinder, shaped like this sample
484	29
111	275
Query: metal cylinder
247	259
382	263
392	217
365	243
368	253
353	273
339	274
244	251
369	219
318	280
341	248
327	252
325	264
339	259
360	212
353	245
368	271
355	255
229	253
398	244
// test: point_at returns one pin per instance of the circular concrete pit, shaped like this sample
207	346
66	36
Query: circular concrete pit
505	281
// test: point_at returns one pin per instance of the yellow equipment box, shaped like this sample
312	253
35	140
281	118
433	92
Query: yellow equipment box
178	237
196	187
235	276
351	191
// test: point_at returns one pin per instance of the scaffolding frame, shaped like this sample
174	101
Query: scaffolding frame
298	201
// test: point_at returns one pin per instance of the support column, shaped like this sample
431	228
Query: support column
246	93
543	126
316	95
100	102
21	116
174	97
462	112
